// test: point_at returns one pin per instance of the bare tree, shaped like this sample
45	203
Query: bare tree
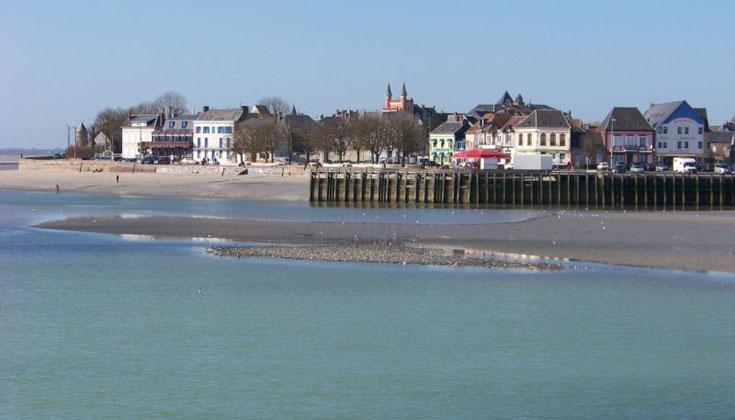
110	121
373	134
143	108
276	105
170	104
409	135
247	140
339	129
592	144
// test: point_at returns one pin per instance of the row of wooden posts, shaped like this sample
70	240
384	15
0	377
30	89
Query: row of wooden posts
521	188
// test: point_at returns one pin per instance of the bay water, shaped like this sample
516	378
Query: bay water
95	326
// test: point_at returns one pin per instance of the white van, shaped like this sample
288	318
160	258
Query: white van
685	165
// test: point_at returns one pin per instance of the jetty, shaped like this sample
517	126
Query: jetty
519	189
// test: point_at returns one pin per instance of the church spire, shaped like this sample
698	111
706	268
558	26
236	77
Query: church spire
293	110
388	92
404	92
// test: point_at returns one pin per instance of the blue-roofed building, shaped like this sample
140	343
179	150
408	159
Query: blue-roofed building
679	130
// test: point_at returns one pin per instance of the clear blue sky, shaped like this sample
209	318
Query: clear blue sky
62	61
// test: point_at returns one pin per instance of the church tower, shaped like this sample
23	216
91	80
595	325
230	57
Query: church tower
388	96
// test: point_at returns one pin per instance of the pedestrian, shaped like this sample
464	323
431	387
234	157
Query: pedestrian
117	178
57	188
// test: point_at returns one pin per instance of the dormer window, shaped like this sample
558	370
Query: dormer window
184	124
171	124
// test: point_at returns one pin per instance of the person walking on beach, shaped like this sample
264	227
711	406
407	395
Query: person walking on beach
57	188
117	178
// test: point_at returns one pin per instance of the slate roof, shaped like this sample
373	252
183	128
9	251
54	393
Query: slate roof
703	113
720	137
542	118
658	113
449	128
220	115
626	119
177	125
147	119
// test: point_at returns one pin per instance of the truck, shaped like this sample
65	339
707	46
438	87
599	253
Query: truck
685	165
532	162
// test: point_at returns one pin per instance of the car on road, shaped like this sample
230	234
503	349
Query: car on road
723	168
603	166
163	160
189	161
619	168
662	167
148	160
637	168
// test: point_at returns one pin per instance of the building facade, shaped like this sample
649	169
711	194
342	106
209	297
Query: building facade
174	138
137	133
545	131
679	130
445	140
213	134
629	137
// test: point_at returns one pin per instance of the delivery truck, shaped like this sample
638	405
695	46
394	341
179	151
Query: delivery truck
532	162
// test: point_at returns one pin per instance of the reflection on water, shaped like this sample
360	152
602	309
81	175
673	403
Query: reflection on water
54	206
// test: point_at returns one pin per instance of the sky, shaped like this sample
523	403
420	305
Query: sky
63	61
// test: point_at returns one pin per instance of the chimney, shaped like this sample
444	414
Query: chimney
245	109
205	108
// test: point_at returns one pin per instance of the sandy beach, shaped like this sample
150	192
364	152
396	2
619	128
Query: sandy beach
254	187
676	240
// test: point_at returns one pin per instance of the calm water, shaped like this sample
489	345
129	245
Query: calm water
98	326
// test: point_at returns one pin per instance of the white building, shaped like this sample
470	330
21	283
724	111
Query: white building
137	131
214	131
545	131
679	130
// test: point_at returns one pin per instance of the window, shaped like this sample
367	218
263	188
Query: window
686	144
562	140
442	143
528	139
666	145
679	130
184	124
220	142
686	130
666	130
206	142
171	124
552	140
617	141
206	130
701	130
659	145
699	145
543	139
199	130
678	145
433	142
229	143
199	141
562	156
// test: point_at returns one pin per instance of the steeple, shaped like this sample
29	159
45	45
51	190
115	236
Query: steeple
388	92
404	93
293	110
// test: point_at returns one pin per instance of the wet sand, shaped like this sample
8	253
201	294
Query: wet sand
253	187
700	241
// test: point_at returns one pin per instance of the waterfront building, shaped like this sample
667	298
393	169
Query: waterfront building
174	138
544	131
587	147
628	137
445	140
720	145
679	130
137	133
214	130
101	141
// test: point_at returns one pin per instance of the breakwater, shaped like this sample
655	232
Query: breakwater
525	189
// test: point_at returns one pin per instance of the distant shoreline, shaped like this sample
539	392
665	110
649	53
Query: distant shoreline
695	241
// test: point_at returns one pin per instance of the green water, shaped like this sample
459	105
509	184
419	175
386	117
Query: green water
96	326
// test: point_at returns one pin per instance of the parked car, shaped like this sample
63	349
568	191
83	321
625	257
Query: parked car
163	160
603	166
662	167
619	168
723	168
189	161
148	160
707	167
685	165
637	168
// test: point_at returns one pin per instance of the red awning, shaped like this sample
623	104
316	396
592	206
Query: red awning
479	154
